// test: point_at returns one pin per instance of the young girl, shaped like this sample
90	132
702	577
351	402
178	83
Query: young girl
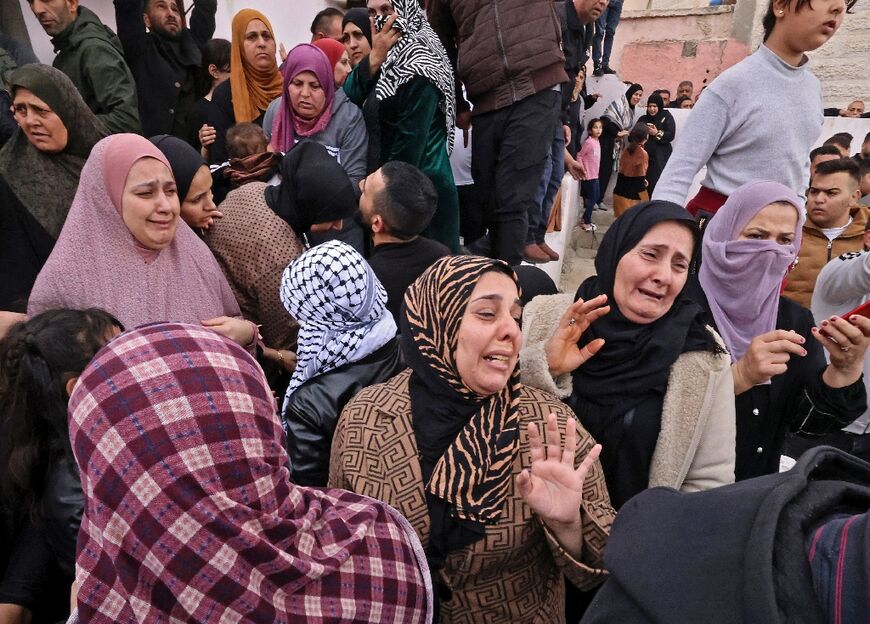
633	164
41	495
590	157
769	134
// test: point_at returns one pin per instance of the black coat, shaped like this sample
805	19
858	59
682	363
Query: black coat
731	555
312	413
165	73
576	41
796	400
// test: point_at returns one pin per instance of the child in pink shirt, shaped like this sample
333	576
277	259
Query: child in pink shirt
590	158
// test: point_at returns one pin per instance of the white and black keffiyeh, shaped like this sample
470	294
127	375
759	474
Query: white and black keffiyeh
418	52
341	307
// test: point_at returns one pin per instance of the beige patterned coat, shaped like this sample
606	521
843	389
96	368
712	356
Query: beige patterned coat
515	573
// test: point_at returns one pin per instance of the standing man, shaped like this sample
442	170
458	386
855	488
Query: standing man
509	59
165	59
576	18
835	225
91	55
605	31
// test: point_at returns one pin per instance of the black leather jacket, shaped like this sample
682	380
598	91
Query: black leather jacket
312	413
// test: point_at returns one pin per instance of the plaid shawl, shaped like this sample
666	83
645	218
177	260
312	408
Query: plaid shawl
189	511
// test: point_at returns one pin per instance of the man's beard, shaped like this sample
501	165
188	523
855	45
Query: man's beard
159	30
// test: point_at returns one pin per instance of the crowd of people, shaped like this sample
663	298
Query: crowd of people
268	351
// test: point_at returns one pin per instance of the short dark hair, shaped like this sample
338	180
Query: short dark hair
685	82
769	19
321	19
245	139
592	122
660	91
866	138
863	167
216	52
408	200
844	165
824	150
843	139
637	136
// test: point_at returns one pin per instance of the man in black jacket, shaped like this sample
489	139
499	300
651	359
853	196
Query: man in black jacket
165	61
397	203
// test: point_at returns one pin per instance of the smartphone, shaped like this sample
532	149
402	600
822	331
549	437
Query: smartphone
861	310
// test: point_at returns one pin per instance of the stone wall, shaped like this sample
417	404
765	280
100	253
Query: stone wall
660	46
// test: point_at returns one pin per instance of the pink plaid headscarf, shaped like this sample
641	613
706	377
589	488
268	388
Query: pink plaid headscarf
189	510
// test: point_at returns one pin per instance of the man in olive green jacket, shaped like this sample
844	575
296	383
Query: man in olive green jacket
91	55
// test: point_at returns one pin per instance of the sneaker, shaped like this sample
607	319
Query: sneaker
601	207
588	227
605	69
533	254
554	255
598	71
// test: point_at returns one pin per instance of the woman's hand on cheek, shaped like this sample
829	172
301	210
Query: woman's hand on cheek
553	488
238	330
563	353
766	357
846	343
382	42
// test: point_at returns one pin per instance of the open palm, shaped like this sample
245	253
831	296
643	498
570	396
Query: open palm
553	488
563	352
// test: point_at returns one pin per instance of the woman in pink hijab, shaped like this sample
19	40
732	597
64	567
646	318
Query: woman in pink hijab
311	109
124	249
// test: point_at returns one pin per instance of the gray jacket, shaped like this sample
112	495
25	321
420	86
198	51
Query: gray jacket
345	138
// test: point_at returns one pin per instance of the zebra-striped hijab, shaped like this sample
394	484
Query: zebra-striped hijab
418	52
473	474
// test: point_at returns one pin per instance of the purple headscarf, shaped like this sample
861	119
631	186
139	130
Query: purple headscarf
287	125
742	278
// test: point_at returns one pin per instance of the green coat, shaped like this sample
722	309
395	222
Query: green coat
91	55
411	129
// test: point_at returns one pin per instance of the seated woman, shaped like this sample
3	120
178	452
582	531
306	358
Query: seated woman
40	361
193	182
176	438
123	249
347	342
56	133
456	443
658	393
254	81
338	59
262	231
311	109
781	379
412	90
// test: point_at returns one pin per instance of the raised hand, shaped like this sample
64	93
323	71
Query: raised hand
846	343
563	353
766	357
553	488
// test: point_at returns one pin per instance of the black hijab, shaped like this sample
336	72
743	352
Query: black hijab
636	359
184	160
359	17
660	118
314	189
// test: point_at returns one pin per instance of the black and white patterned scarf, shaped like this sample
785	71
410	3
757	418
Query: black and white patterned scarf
341	308
418	52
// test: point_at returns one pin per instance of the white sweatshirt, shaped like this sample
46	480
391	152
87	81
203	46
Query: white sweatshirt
843	285
758	120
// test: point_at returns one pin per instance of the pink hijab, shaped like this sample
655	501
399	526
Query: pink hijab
96	262
287	125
